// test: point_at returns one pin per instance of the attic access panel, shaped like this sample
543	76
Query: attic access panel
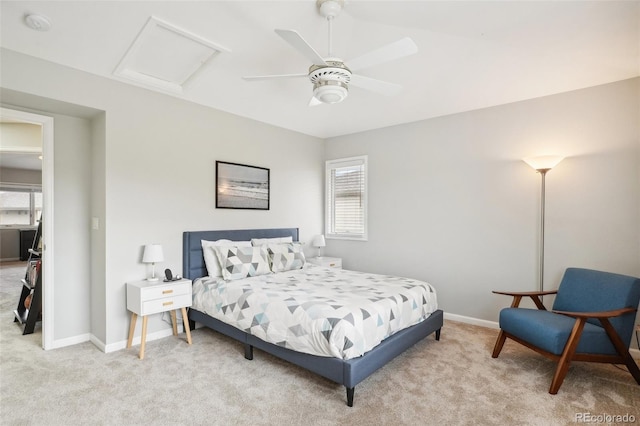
166	57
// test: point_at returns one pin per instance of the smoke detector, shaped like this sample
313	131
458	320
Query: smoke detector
37	22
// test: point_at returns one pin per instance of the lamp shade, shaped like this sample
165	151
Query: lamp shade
318	241
152	253
543	162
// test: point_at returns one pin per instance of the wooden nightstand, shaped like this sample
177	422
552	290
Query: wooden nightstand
329	262
151	297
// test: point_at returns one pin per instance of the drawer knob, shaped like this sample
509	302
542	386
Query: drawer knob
167	291
167	303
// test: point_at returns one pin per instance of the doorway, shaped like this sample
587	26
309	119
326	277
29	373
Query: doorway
46	123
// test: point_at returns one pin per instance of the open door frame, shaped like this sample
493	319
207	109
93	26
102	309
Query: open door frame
48	214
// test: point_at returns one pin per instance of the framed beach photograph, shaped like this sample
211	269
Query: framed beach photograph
239	186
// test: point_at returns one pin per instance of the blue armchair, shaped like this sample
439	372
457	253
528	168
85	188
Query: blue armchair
592	320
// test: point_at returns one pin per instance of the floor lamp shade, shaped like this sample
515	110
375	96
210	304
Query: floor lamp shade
542	165
152	254
543	162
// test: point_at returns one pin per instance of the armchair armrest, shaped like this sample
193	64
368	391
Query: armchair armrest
597	315
603	316
525	293
534	295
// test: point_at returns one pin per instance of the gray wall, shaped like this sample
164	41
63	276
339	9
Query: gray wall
452	203
10	175
9	244
72	185
152	178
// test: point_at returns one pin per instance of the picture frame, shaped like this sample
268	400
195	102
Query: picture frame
240	186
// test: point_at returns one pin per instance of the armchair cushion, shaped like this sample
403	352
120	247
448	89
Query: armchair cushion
550	331
587	290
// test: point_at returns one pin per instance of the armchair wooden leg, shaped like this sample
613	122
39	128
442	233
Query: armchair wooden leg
622	349
632	366
567	355
499	344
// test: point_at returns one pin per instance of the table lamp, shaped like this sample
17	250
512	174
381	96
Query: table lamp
152	254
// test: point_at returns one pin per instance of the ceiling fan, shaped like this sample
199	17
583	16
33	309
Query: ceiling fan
330	76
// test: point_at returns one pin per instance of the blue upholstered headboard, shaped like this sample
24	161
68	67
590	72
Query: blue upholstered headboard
192	260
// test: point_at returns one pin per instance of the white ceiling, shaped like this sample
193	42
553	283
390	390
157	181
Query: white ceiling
471	54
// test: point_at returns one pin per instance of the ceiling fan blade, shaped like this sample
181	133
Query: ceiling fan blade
269	77
386	53
294	39
374	85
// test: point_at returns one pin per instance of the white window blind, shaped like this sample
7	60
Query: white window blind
346	198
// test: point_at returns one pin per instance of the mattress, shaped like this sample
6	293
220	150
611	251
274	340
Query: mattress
320	311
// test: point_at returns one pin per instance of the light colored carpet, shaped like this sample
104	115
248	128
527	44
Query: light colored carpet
454	382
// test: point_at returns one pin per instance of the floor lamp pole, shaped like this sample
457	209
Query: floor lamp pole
543	174
542	165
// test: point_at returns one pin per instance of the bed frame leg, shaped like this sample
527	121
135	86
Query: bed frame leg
248	351
350	392
438	334
192	325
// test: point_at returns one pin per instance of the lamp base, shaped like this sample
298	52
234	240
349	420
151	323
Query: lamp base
152	279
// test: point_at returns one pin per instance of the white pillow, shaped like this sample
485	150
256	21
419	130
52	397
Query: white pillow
285	257
210	257
241	262
277	240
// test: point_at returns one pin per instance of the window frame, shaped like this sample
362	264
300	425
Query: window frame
337	163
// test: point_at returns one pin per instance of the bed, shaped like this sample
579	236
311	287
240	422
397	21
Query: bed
347	372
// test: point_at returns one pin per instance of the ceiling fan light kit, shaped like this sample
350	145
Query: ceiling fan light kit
330	92
330	76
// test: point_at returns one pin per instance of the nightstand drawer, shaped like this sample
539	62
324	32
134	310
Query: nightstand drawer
327	262
167	290
334	264
166	304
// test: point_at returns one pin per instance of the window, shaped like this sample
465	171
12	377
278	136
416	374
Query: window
346	198
20	207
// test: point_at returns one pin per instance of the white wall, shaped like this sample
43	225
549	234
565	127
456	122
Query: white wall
452	203
153	166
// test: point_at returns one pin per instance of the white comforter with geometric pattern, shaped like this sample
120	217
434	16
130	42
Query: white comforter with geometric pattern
316	310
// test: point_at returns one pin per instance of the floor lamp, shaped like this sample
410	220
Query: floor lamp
542	165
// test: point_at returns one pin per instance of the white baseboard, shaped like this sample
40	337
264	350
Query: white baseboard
112	347
99	343
471	320
74	340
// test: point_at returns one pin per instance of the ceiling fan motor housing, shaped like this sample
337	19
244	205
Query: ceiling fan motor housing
330	8
330	83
